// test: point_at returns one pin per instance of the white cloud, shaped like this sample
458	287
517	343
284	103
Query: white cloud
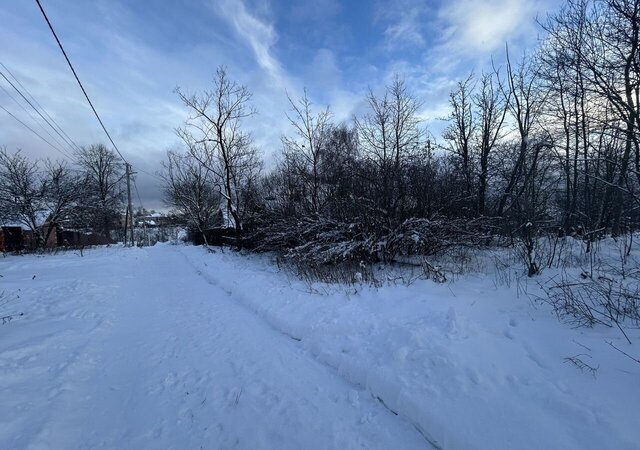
484	26
259	35
407	28
405	23
130	75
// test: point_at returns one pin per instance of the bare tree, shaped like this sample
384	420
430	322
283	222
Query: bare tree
583	114
62	196
190	189
602	42
611	55
526	102
305	149
491	109
388	135
460	133
214	137
104	194
22	193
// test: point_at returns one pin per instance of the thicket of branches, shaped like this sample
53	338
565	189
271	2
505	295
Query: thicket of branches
545	143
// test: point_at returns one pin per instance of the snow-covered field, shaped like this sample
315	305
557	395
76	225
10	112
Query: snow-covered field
175	347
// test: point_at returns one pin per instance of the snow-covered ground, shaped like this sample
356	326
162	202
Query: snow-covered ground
175	347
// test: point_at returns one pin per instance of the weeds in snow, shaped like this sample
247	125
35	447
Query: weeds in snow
7	299
607	292
578	361
346	273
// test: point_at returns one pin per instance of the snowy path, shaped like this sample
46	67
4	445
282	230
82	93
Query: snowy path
145	352
175	347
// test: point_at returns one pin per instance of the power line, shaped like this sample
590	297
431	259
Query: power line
29	128
150	174
144	222
135	186
36	121
34	108
128	166
69	140
78	80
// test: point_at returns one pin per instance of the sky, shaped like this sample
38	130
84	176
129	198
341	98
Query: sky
132	54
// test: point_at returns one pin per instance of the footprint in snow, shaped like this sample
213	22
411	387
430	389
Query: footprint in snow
508	334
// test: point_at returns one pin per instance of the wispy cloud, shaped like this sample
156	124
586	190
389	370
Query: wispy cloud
405	22
259	35
130	57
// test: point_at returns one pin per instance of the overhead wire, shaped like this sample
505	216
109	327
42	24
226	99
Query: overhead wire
135	186
79	82
46	113
157	177
95	112
58	149
28	127
36	110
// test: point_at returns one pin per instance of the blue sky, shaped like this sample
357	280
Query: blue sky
131	54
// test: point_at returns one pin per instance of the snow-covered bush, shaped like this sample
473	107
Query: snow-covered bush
435	236
316	240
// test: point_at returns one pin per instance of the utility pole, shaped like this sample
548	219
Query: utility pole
126	224
129	173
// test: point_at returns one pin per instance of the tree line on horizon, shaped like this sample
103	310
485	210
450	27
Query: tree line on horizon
546	143
41	195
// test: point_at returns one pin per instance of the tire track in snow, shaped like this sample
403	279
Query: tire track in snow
378	396
239	302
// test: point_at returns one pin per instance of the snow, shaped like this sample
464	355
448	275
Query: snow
41	219
176	347
132	348
15	224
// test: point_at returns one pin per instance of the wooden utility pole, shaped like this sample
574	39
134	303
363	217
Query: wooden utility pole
129	173
126	224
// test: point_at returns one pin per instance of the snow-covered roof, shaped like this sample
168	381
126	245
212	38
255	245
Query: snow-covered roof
151	223
14	224
41	219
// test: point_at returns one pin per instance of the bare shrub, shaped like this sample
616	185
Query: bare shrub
552	249
346	272
503	275
315	240
606	299
432	272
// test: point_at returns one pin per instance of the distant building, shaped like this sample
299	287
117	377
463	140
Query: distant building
154	220
16	237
